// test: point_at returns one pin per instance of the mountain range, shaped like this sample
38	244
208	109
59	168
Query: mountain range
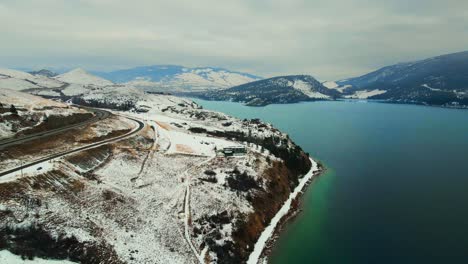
440	81
174	79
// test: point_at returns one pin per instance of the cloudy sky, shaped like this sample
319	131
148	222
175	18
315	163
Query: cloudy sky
329	39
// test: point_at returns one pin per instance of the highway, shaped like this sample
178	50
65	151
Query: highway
140	126
98	115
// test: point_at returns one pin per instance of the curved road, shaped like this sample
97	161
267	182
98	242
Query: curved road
99	115
141	125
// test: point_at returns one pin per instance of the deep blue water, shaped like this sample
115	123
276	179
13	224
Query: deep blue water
396	189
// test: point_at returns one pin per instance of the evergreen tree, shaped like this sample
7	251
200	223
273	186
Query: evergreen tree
13	110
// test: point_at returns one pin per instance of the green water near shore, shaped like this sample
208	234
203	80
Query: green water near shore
396	186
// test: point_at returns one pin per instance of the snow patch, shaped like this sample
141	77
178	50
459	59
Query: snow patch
365	94
306	88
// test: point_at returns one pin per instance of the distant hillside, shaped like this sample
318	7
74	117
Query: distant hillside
171	78
44	72
441	80
80	76
277	90
18	80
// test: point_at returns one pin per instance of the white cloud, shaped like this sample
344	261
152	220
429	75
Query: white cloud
328	39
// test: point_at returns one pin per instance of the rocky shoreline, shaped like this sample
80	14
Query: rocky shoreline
293	211
296	209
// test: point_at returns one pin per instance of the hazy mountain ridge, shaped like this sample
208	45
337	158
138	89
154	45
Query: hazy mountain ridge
174	78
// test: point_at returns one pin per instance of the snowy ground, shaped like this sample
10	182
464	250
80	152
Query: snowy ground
165	195
32	110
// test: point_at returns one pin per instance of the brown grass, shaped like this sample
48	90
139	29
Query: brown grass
184	148
163	125
112	134
88	154
38	145
77	186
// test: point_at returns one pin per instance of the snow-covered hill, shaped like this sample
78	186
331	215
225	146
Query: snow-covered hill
18	80
282	89
170	78
31	111
80	76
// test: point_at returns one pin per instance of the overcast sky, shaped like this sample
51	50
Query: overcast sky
329	39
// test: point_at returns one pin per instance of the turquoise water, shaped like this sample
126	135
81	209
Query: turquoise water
396	189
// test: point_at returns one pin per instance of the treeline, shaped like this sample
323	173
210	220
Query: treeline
294	157
122	106
12	109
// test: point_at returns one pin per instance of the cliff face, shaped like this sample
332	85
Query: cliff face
266	203
168	194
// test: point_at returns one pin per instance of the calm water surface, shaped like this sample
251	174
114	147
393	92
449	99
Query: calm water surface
396	189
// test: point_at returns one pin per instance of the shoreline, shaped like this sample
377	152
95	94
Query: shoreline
294	212
461	107
289	209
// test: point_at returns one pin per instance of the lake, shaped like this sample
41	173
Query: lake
396	186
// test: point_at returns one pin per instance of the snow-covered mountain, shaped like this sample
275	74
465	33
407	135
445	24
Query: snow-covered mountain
441	80
80	76
74	83
170	78
18	80
282	89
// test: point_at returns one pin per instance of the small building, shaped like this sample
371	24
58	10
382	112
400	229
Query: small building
234	151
